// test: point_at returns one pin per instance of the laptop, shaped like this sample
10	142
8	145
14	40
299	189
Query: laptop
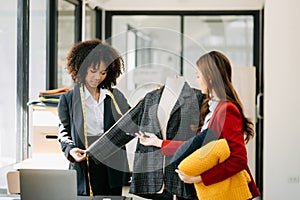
48	184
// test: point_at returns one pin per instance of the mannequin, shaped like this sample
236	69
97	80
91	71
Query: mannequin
170	94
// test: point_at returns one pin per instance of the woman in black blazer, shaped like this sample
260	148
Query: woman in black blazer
89	110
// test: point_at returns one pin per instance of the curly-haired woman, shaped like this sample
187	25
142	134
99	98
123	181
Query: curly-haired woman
87	111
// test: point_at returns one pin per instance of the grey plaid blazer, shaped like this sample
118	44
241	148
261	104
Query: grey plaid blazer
151	170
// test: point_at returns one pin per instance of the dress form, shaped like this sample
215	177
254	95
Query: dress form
170	94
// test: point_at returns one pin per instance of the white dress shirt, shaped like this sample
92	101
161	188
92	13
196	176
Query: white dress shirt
213	103
95	112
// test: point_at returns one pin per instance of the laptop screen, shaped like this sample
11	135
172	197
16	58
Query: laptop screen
48	184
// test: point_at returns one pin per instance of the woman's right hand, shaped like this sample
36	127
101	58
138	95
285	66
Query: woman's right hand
149	139
78	154
188	179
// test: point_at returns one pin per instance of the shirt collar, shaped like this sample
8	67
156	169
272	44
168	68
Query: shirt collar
87	93
213	104
103	93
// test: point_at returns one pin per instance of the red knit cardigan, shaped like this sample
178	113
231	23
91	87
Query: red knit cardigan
227	120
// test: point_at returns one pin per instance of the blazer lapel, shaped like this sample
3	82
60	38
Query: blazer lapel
77	113
185	92
108	115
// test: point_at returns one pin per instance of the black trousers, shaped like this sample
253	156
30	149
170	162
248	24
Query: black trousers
100	180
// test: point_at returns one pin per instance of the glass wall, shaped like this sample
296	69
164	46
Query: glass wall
150	46
8	55
90	23
158	46
37	58
232	35
37	45
66	38
68	28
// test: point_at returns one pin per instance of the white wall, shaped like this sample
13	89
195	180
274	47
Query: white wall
243	79
282	100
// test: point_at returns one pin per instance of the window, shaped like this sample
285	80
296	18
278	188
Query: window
8	55
150	47
90	23
37	38
156	46
66	38
230	34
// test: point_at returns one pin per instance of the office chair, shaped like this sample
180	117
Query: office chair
13	182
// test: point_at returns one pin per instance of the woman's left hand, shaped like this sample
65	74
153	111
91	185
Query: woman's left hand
149	139
188	179
78	154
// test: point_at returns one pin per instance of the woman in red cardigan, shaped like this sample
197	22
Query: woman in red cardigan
223	112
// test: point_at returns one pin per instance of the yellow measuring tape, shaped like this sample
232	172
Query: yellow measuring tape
85	137
115	102
85	129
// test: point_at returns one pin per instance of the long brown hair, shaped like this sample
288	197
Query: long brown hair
216	70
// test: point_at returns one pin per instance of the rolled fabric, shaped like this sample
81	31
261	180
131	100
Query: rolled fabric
55	91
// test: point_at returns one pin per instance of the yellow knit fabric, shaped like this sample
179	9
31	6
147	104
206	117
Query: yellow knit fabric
208	156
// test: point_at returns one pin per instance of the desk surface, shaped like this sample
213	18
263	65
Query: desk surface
44	161
17	197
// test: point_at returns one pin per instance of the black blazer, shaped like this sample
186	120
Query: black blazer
149	171
71	135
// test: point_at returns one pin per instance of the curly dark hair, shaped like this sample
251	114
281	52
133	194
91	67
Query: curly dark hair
91	53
